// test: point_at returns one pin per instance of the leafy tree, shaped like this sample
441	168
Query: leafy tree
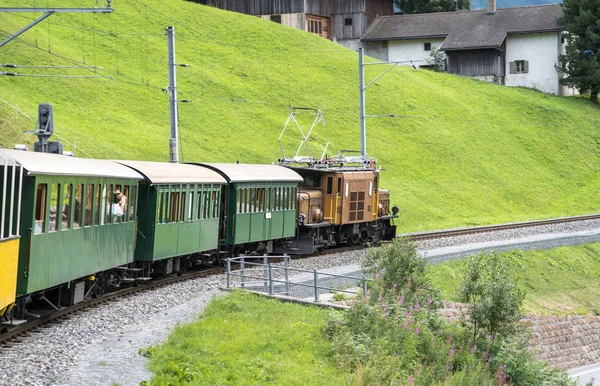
495	301
437	59
580	65
408	7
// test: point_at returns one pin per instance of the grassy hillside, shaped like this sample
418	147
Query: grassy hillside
464	152
557	281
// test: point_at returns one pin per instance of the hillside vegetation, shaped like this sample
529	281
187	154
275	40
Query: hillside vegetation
460	152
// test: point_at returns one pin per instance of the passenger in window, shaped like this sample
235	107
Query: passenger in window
118	206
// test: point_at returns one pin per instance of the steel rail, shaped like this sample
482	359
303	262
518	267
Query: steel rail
31	327
493	228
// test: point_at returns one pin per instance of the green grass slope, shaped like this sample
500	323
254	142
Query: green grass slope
464	152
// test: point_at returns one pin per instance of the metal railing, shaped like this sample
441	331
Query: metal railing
273	279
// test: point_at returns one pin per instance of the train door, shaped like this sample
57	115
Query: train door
338	201
329	208
223	214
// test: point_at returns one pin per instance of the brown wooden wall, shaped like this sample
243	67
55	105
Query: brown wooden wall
476	62
260	7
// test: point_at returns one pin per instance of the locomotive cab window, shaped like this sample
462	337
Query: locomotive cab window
40	209
312	181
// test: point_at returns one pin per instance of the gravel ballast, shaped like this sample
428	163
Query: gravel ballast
100	346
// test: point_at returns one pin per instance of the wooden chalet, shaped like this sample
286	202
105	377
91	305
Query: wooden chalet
343	21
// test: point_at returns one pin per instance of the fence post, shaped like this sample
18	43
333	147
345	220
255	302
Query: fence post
265	273
243	274
228	272
316	289
270	279
287	274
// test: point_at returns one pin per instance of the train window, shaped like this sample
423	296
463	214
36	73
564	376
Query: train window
376	186
191	202
173	206
244	200
133	203
54	194
89	199
347	188
182	205
312	181
40	209
110	198
199	206
214	204
238	198
285	198
339	186
206	211
98	205
329	185
295	198
370	188
66	206
77	220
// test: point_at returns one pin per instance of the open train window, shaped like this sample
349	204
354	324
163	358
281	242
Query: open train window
66	206
329	185
98	205
313	181
183	204
77	218
54	194
40	209
89	210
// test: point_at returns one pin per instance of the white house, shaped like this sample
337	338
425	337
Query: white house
511	46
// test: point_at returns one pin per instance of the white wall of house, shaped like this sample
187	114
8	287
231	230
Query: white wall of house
414	49
540	51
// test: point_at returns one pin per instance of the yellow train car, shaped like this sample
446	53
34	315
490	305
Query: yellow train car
11	188
9	259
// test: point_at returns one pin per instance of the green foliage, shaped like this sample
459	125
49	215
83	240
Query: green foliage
580	64
407	7
389	338
246	339
490	289
437	58
559	281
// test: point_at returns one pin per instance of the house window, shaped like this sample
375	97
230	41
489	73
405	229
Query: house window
519	67
348	21
276	19
427	46
314	26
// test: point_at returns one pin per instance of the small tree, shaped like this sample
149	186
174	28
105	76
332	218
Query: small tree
495	301
437	59
580	65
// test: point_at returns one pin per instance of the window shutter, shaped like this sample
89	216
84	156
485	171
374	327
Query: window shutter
526	66
512	68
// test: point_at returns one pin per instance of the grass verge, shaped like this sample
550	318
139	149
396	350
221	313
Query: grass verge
245	339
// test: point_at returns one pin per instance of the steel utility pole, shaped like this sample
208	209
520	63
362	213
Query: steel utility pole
363	115
362	88
174	141
49	12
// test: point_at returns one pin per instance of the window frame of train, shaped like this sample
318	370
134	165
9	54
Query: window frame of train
184	218
260	211
84	205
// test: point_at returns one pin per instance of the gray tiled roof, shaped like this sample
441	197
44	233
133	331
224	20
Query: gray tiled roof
467	29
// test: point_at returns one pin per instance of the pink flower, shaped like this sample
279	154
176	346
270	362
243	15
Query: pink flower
452	352
417	330
401	302
417	307
411	380
474	349
428	301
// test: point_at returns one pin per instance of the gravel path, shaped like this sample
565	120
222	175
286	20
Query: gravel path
100	346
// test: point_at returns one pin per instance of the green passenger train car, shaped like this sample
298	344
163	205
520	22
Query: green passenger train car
179	211
260	204
68	228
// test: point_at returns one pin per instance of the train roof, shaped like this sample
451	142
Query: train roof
333	169
58	165
254	172
174	173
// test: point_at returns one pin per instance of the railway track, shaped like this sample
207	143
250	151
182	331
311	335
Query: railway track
15	335
493	228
